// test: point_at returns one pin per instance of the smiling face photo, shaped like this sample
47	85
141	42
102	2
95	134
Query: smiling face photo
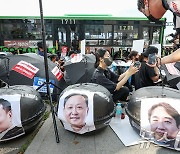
75	111
160	121
164	121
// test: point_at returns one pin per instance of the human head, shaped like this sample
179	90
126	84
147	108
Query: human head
150	50
164	119
134	56
5	115
53	58
40	46
76	110
103	58
152	9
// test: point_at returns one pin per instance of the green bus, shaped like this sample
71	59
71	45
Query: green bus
97	31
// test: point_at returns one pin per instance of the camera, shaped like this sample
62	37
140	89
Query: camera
152	59
137	64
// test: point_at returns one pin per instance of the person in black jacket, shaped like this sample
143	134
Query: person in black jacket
114	83
147	75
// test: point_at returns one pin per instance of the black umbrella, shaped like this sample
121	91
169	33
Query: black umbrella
16	77
4	64
177	65
80	72
172	80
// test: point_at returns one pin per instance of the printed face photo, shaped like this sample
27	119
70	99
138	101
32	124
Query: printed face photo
75	111
5	115
10	117
162	123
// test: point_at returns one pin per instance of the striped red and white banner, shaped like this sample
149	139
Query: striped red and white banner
26	69
57	72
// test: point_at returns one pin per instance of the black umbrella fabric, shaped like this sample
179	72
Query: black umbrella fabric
28	69
172	80
80	71
177	65
4	62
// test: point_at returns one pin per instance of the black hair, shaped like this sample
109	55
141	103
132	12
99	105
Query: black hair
52	57
5	104
169	109
149	50
85	97
71	52
40	45
132	54
99	54
140	4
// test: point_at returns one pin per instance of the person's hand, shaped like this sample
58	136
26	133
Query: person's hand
158	61
60	62
62	68
132	69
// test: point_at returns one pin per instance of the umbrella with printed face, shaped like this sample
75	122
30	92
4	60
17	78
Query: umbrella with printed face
80	68
28	69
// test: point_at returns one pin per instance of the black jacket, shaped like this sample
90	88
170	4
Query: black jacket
106	78
13	133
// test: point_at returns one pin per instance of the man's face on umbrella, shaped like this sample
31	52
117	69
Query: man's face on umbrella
163	125
76	110
5	119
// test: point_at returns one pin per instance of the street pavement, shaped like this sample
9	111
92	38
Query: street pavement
103	142
14	146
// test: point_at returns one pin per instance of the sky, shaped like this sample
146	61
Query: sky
127	8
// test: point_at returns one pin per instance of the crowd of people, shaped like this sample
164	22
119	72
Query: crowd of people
119	83
142	76
143	71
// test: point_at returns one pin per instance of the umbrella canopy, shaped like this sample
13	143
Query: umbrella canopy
171	79
28	69
177	65
3	65
80	71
